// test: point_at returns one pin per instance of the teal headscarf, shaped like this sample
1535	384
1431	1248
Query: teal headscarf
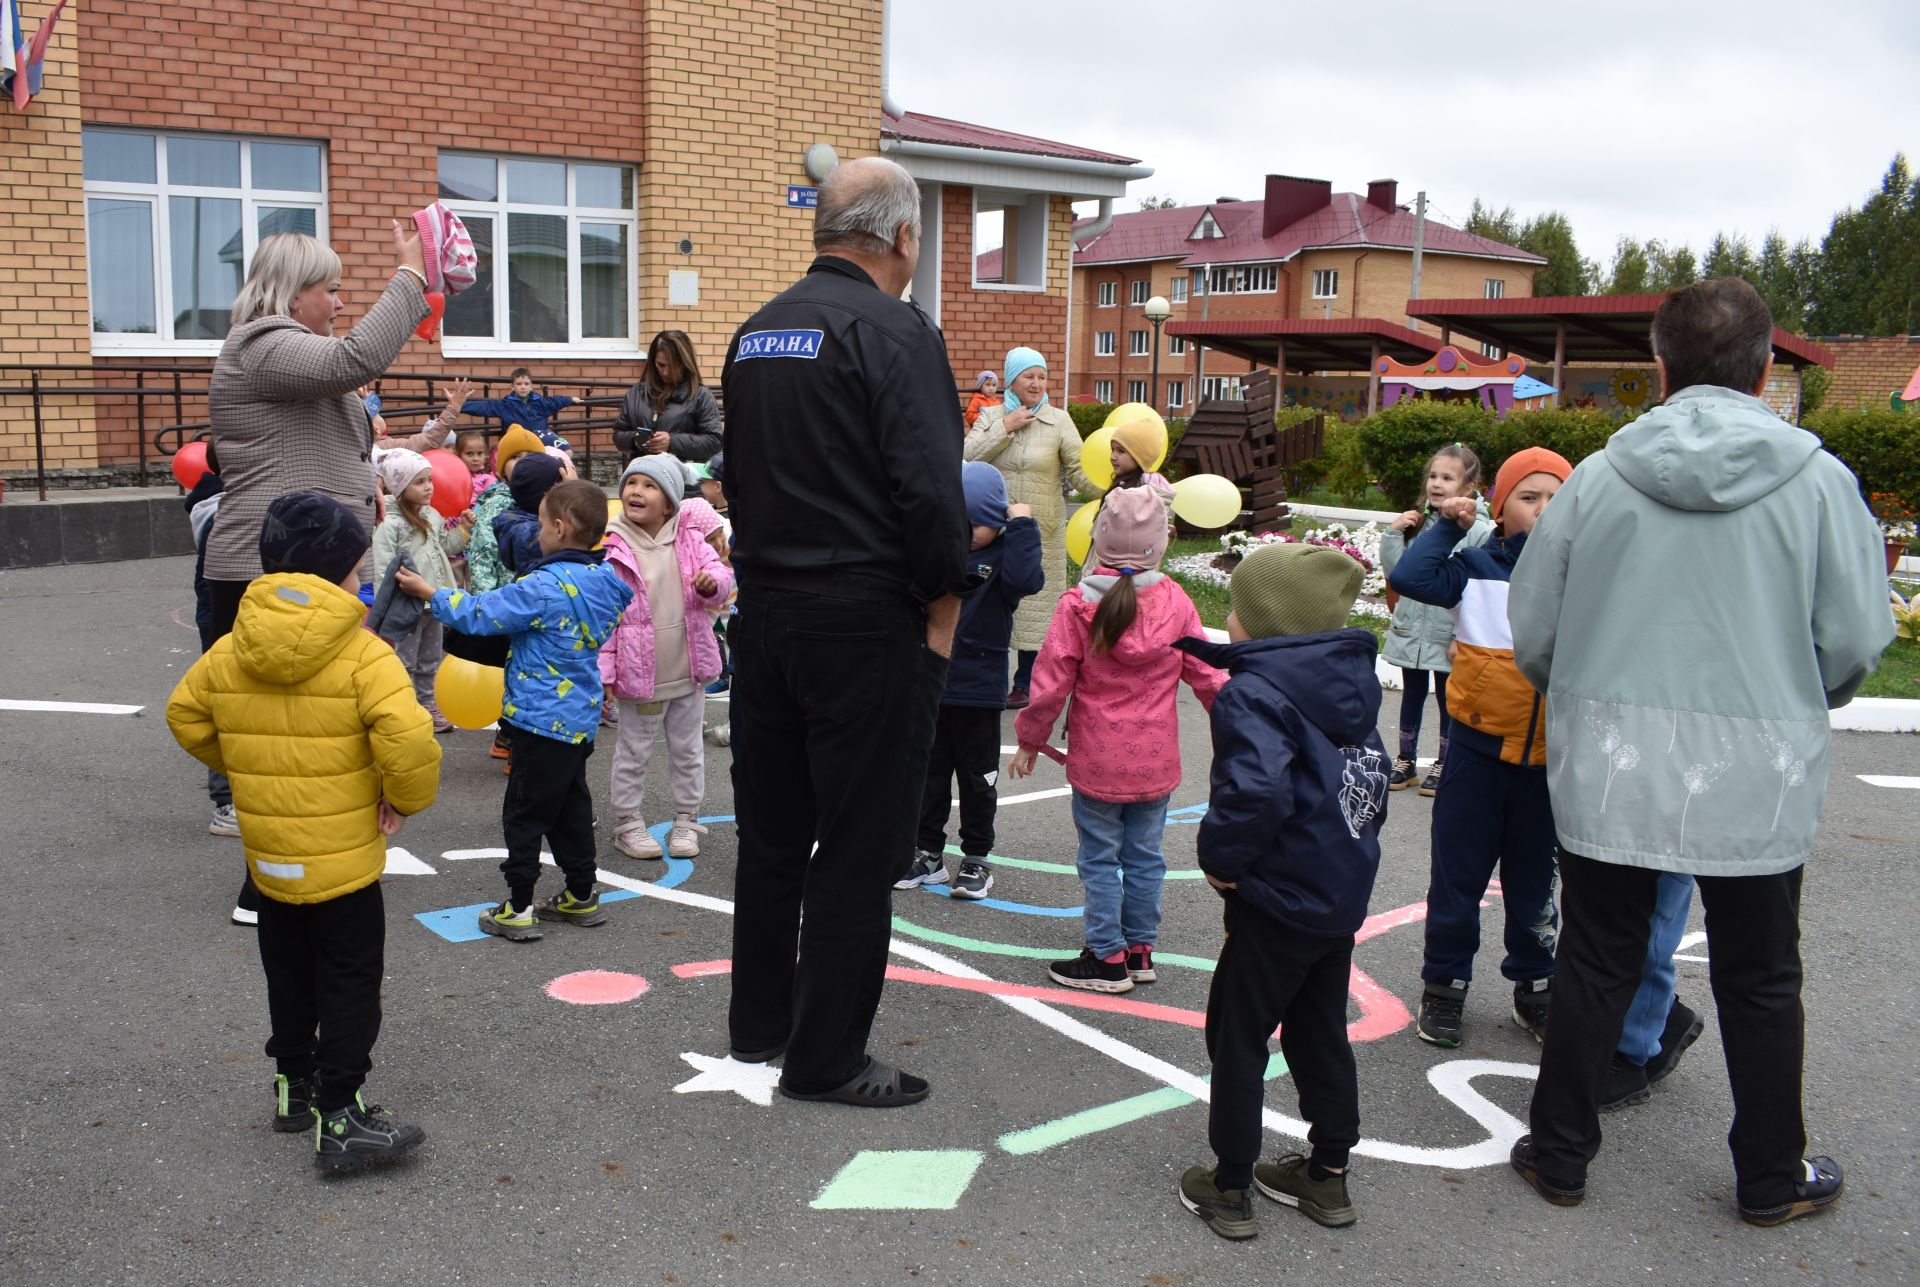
1019	360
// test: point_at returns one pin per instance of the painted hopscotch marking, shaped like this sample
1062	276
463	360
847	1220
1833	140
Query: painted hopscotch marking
1883	780
69	708
752	1082
901	1180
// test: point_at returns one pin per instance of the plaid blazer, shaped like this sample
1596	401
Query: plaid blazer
286	419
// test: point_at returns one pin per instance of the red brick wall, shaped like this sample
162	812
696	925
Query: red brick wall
981	325
1868	368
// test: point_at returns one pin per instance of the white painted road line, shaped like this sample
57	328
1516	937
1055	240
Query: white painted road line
1880	780
68	708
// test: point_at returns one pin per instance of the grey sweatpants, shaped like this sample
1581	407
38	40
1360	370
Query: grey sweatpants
420	651
686	754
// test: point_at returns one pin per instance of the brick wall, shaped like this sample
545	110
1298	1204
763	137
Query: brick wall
1868	369
43	264
982	324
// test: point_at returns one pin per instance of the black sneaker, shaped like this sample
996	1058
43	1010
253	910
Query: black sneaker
1560	1192
1819	1190
1228	1212
974	880
1624	1086
292	1104
1530	1003
1140	965
1289	1180
1404	773
1439	1022
1089	973
360	1135
927	868
1430	785
1683	1029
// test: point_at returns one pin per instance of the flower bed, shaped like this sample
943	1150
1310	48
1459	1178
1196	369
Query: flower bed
1362	544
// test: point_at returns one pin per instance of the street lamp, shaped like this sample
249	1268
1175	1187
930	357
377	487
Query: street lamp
1157	311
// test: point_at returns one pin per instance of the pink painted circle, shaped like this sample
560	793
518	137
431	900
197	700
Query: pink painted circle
597	987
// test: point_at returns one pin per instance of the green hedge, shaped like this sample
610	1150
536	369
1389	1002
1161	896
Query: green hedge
1880	445
1394	445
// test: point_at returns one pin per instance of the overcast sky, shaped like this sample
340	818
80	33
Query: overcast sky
1670	120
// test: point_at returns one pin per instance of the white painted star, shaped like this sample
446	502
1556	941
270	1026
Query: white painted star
749	1081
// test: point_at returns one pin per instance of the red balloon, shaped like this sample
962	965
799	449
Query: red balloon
452	483
436	309
190	464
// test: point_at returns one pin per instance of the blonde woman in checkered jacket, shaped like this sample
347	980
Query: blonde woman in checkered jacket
283	409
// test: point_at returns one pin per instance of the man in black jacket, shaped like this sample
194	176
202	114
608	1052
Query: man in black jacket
850	543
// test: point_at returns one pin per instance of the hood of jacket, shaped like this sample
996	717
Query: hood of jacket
1710	449
1329	678
291	624
1144	642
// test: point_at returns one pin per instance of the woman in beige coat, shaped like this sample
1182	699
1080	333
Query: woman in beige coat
1036	448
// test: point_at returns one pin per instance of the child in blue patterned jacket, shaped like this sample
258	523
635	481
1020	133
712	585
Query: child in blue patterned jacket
558	615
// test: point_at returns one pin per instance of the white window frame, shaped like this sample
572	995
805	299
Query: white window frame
497	210
1176	393
1176	345
1136	390
1138	290
1326	283
1103	343
1103	390
1492	350
1238	279
1109	296
1177	289
1035	235
155	195
1222	387
1496	288
1139	344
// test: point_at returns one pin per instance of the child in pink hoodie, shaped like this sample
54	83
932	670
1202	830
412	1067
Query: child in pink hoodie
1110	649
662	655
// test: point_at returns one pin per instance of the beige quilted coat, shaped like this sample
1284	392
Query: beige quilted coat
1041	463
286	419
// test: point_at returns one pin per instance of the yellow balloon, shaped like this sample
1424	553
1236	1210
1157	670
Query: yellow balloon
1206	500
614	507
1080	531
469	694
1096	458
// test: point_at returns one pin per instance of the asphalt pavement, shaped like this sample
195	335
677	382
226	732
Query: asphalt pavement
610	1143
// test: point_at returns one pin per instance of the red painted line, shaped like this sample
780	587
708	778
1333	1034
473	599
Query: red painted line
1380	922
1056	995
702	969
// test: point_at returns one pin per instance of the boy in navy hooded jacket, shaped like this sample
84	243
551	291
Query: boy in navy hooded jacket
1292	842
1005	566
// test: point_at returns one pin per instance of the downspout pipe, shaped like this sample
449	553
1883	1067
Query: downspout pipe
887	104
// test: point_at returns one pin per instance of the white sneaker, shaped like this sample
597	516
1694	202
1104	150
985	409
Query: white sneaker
684	840
723	734
241	916
225	822
631	837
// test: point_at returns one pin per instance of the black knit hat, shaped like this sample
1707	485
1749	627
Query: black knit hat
308	532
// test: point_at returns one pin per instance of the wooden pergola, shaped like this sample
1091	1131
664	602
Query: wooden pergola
1309	344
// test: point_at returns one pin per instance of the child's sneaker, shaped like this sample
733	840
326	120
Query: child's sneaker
225	822
500	750
927	868
609	713
441	724
520	926
1405	771
292	1104
1089	973
563	906
631	837
244	915
1290	1181
974	880
1440	1009
723	734
361	1135
684	840
1228	1213
1430	785
1530	1002
1140	965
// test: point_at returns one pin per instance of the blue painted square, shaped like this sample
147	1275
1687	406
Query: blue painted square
462	924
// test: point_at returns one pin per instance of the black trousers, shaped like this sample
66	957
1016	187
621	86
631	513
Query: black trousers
547	796
1753	938
966	744
1272	976
833	713
323	964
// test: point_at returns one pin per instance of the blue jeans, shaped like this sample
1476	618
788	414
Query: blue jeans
1647	1016
1122	867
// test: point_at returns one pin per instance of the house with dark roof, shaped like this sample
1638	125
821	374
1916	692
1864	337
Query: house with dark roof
1303	251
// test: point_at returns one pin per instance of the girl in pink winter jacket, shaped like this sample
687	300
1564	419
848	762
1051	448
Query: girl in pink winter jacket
1110	649
662	655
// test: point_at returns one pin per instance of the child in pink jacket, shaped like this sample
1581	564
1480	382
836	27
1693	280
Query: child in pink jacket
1110	649
662	655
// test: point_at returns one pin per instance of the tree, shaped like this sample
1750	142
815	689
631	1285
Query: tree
1868	275
1671	267
1158	203
1500	225
1632	272
1550	236
1730	257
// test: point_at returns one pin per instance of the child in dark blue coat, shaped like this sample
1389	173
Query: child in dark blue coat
516	530
1291	840
522	407
1006	567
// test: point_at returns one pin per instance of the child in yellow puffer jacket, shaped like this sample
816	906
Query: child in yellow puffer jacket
314	722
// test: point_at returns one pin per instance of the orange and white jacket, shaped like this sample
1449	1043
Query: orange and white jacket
1493	708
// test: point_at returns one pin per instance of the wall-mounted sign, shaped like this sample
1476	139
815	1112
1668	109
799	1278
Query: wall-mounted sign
801	197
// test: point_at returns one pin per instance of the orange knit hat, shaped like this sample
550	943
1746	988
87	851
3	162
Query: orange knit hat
1533	460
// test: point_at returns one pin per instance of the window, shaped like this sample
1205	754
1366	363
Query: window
173	221
1177	291
1496	288
1206	228
1103	344
1136	390
1220	386
1137	292
1109	294
1326	283
1103	390
1015	225
1176	393
555	240
1176	345
1138	344
1239	279
1492	351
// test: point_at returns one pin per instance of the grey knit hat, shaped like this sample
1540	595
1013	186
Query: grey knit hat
667	473
1293	589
